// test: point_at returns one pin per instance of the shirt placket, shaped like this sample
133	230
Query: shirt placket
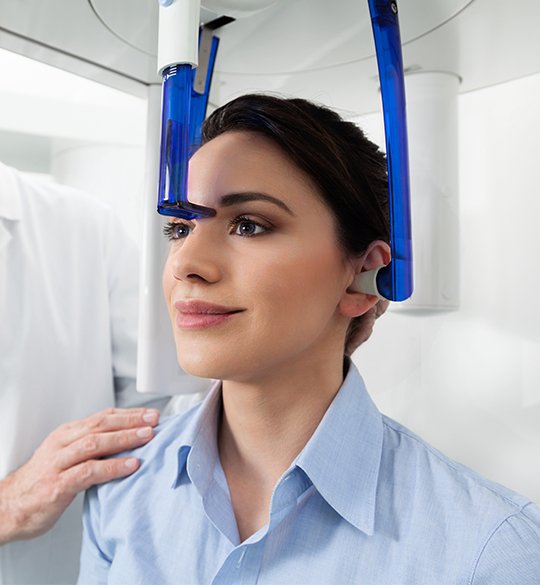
244	564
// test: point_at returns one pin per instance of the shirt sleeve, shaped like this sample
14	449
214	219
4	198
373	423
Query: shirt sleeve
512	554
95	564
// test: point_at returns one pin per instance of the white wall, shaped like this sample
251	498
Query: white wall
79	132
469	381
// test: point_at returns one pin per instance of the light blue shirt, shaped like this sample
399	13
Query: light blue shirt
366	502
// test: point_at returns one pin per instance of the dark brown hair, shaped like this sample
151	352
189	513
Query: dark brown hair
347	168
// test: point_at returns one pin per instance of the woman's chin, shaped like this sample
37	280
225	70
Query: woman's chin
203	365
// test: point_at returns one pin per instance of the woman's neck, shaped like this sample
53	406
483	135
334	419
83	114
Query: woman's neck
267	422
264	426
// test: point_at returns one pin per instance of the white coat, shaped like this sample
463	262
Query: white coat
68	326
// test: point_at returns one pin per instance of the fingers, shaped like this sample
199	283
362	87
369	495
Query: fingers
69	461
112	419
97	445
89	473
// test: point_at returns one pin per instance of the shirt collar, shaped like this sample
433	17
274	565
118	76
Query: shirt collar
198	450
10	199
343	456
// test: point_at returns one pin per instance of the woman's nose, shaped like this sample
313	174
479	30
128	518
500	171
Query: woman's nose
196	259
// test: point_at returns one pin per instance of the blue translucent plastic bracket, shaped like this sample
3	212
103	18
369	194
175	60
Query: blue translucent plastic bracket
199	99
183	113
395	281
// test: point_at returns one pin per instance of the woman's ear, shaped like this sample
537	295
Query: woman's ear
354	303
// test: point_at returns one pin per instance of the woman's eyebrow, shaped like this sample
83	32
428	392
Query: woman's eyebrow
234	198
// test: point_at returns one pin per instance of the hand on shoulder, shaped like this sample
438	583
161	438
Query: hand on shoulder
70	460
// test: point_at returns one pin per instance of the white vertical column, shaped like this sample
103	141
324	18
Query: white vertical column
432	116
157	365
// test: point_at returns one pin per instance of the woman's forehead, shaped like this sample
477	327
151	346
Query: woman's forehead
246	161
237	146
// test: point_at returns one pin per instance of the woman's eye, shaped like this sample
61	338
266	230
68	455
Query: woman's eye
243	226
175	230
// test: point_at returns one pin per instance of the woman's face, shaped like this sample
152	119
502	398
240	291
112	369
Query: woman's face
257	287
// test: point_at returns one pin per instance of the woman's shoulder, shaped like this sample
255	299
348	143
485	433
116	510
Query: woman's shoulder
511	554
446	487
158	457
411	454
497	529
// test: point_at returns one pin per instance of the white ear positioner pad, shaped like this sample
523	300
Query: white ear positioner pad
366	282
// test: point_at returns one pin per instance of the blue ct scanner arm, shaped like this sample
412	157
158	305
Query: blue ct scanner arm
187	76
184	100
395	281
184	109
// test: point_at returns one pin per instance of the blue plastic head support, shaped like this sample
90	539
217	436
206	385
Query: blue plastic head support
185	99
395	281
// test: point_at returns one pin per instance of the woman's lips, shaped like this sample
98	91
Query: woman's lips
197	314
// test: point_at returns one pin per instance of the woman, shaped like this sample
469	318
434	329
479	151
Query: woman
287	472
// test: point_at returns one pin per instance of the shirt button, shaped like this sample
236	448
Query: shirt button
243	554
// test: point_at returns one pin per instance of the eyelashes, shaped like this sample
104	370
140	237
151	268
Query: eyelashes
249	227
176	230
241	226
